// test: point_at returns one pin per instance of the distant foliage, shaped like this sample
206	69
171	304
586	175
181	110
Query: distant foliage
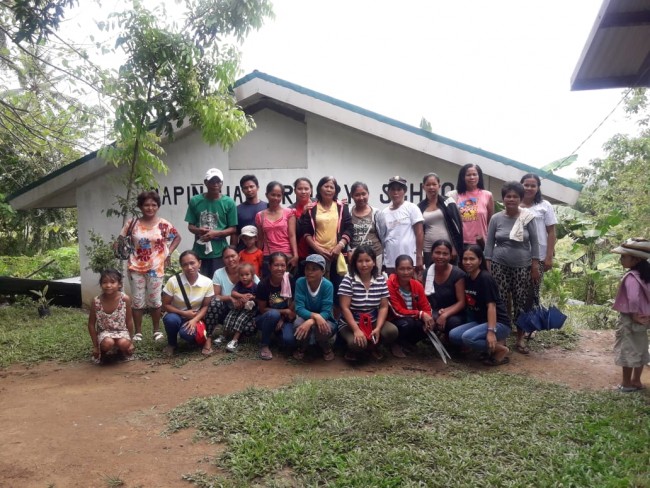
64	263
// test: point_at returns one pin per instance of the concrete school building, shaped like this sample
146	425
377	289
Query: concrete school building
299	132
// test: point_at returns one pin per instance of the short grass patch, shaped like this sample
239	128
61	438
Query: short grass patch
470	430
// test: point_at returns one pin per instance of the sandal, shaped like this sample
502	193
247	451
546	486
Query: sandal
137	337
522	349
158	336
126	359
377	354
328	354
266	354
495	362
626	389
350	356
397	351
207	352
298	354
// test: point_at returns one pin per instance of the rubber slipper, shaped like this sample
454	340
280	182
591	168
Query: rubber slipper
377	354
126	359
350	356
328	355
522	349
158	336
626	389
207	352
266	354
493	362
397	351
298	355
137	337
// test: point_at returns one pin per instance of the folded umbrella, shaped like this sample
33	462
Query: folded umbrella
438	346
541	318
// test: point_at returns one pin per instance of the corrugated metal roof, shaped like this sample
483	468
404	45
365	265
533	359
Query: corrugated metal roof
617	52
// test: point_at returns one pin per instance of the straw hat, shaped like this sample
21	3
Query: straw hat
636	246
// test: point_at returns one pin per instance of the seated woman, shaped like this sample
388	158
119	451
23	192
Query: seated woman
445	288
188	286
275	304
363	297
409	309
222	303
490	325
314	309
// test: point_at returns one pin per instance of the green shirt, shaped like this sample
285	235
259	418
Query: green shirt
215	215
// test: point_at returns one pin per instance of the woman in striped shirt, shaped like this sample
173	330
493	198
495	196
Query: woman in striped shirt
363	297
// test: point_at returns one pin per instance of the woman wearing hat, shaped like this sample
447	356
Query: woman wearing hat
314	302
399	227
633	305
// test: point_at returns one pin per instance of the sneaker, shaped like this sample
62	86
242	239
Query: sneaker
232	346
219	341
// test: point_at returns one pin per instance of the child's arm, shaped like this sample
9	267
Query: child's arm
641	319
92	320
129	315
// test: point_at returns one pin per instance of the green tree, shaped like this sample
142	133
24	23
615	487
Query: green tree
425	125
174	76
620	181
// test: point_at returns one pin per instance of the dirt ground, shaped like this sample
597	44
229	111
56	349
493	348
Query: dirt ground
79	425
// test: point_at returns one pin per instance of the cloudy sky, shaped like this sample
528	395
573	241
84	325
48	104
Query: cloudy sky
495	74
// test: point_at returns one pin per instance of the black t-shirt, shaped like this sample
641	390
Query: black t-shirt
480	292
271	294
445	293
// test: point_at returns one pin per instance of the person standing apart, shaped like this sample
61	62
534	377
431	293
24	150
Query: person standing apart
399	227
211	217
247	210
475	204
633	305
154	239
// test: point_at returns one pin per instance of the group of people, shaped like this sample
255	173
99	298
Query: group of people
321	268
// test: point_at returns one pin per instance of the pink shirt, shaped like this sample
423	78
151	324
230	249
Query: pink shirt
276	234
633	295
473	208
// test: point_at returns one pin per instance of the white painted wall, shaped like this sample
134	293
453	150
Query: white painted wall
313	148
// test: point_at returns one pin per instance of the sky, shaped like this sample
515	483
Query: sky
495	75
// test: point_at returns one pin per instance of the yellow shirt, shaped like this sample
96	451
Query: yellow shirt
326	223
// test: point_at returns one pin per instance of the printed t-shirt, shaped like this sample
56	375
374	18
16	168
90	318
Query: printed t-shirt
365	232
271	294
216	214
480	292
151	242
473	208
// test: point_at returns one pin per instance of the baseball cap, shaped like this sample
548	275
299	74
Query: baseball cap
249	230
213	173
397	179
316	259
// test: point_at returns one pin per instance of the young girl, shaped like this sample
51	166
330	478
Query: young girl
633	304
490	325
363	296
110	323
251	253
241	319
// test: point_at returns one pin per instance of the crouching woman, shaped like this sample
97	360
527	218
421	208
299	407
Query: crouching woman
490	325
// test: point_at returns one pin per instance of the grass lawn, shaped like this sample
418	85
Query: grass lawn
469	430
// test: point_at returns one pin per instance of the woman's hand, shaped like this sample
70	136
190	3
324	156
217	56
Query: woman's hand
321	323
491	341
534	273
188	314
375	335
96	353
428	321
288	314
441	320
548	264
190	326
360	339
302	332
293	262
168	261
279	325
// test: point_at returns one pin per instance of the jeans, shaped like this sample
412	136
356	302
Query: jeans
267	322
474	335
174	327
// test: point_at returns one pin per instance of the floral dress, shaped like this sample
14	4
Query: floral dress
111	325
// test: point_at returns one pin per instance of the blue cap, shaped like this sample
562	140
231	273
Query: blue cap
316	259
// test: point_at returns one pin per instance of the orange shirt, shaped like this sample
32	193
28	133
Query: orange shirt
254	258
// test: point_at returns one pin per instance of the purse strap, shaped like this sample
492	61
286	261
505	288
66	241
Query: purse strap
180	283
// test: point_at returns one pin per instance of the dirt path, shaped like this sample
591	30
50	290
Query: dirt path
77	425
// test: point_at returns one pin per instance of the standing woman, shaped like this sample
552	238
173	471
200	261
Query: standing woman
445	288
303	189
512	254
441	219
181	319
545	222
364	228
363	295
276	227
154	239
275	304
400	227
490	325
327	226
475	203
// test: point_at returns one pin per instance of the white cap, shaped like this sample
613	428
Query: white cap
213	173
249	230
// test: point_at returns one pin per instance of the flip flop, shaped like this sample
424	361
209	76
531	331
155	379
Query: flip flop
266	354
137	337
522	349
158	336
626	389
298	355
328	354
207	352
493	362
350	356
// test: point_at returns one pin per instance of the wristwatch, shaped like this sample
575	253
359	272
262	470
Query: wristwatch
492	330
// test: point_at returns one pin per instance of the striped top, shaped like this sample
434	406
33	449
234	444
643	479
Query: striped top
362	300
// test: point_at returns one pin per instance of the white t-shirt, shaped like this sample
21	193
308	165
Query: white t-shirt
544	216
395	229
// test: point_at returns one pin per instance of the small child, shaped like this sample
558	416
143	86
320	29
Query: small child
251	254
633	304
110	323
241	319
